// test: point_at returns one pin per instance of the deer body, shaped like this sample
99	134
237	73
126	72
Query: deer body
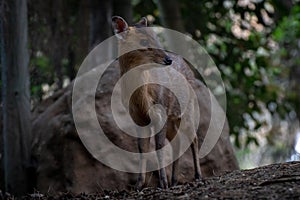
148	95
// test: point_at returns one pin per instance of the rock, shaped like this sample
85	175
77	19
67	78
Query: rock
63	163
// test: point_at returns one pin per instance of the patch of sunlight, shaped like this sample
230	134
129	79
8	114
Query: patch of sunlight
297	144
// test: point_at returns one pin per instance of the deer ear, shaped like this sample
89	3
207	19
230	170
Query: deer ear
119	25
143	21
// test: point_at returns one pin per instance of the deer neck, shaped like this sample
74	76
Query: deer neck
129	88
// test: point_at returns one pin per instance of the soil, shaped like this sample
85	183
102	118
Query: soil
276	181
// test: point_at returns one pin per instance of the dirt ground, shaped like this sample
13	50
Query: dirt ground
276	181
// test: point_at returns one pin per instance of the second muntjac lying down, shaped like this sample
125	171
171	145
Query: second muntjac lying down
148	95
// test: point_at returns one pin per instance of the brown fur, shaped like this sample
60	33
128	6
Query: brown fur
150	94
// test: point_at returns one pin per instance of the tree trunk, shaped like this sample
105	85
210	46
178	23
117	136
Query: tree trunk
16	97
100	20
123	8
170	17
170	14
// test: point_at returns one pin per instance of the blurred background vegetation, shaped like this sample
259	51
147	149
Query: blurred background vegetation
255	44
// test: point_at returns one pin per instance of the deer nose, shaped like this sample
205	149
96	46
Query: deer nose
167	60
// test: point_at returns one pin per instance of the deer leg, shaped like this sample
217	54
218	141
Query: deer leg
171	133
143	146
174	170
175	154
195	152
159	143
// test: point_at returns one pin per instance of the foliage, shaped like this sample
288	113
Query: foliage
40	68
239	37
287	34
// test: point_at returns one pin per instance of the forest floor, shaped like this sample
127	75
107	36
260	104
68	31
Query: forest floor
276	181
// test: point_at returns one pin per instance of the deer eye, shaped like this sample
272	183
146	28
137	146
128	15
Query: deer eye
144	43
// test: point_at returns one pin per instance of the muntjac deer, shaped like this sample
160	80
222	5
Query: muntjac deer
152	94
